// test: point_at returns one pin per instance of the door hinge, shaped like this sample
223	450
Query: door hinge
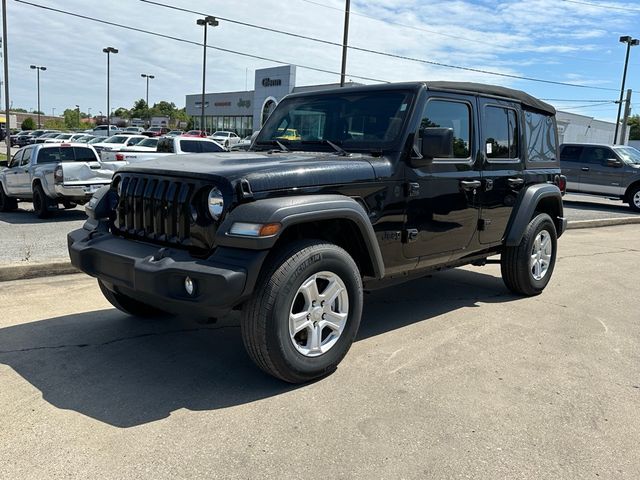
412	189
410	235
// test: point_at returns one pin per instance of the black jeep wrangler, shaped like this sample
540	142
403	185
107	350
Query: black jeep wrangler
342	191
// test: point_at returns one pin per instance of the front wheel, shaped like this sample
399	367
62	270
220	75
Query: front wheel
305	312
527	268
634	199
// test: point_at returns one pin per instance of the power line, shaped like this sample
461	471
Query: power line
386	54
191	42
574	100
587	106
608	7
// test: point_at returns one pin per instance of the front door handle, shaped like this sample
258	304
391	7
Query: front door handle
470	184
515	182
585	169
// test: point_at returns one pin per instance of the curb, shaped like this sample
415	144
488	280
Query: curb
63	267
18	271
603	222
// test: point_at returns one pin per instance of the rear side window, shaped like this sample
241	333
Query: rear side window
455	116
165	145
211	147
542	142
501	133
84	154
570	153
190	146
26	158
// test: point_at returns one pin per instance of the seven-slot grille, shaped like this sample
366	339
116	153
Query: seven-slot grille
155	208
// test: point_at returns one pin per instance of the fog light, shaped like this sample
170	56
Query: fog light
189	286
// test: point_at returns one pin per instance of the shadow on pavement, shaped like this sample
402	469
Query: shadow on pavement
599	207
24	216
126	371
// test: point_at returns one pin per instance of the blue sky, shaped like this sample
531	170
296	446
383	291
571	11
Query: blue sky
559	40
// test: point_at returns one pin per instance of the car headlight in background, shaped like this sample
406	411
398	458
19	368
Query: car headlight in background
215	203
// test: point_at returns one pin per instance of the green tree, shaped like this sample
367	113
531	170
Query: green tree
121	113
19	110
139	109
71	119
28	124
55	124
634	127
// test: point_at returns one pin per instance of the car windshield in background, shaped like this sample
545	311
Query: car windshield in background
116	139
629	154
352	120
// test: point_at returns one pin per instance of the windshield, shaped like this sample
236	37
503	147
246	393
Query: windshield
148	142
353	120
97	140
117	139
629	154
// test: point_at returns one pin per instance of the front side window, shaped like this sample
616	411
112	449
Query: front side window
453	116
542	142
501	133
15	160
597	155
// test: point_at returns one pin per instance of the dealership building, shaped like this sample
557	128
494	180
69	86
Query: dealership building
244	112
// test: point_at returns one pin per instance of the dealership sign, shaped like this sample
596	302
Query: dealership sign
268	82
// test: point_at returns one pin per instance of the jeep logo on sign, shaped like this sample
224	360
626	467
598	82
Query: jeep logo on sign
267	82
244	103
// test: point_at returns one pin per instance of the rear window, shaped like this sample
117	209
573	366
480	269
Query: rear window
66	154
542	142
165	145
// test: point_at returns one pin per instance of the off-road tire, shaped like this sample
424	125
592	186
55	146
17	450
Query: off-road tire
7	204
265	317
515	261
129	305
41	203
632	203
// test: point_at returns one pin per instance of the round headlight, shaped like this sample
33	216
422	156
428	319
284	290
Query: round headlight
215	202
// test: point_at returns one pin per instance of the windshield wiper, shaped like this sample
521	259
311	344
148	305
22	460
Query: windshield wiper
341	151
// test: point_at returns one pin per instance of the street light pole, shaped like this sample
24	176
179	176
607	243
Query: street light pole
78	108
109	51
5	58
345	40
148	77
37	69
204	22
631	42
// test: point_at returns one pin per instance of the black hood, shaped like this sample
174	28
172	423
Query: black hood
264	171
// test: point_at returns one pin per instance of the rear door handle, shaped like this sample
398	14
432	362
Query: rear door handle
515	182
470	184
585	169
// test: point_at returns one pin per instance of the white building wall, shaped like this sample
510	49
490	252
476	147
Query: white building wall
573	128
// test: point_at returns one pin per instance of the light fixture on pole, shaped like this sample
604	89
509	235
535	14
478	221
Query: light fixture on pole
37	69
109	51
631	42
148	77
205	22
78	108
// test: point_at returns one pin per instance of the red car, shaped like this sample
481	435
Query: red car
196	133
156	131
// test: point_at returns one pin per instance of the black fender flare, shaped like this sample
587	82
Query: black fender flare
290	211
526	207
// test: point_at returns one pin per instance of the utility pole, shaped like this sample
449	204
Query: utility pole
109	51
631	42
345	41
148	77
38	68
204	22
5	57
625	118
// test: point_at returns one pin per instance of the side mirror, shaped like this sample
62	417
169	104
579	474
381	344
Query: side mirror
433	143
613	162
4	163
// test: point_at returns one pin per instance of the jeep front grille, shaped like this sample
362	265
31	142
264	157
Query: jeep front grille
155	208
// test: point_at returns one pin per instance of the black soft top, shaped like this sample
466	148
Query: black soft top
468	87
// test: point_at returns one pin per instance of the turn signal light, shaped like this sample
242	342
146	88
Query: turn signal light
269	229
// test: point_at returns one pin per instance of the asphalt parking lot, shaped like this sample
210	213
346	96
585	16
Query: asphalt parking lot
451	377
25	238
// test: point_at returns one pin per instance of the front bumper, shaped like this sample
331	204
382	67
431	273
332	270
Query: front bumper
156	275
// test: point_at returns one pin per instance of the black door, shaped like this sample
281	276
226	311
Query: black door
502	176
442	206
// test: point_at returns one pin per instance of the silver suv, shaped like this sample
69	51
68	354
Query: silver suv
611	171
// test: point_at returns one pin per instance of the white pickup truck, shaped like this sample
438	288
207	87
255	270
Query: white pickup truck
170	146
52	174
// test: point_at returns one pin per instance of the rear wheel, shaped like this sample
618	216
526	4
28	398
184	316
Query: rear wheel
305	312
41	203
127	304
7	204
527	268
634	199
